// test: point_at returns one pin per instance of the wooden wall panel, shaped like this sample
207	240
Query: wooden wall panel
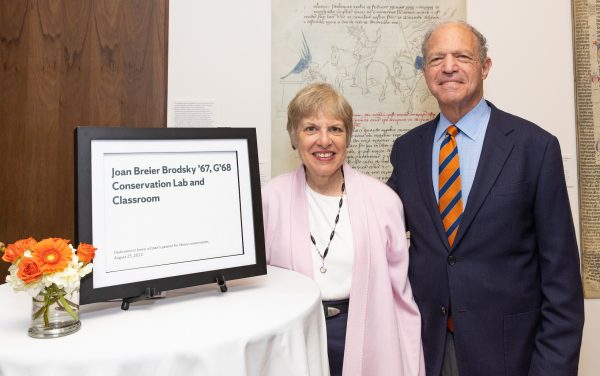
65	63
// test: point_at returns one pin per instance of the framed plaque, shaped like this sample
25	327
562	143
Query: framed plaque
167	208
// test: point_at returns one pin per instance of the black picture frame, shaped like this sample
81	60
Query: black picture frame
252	260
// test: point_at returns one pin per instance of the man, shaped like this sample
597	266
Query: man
494	264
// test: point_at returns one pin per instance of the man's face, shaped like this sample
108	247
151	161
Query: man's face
453	70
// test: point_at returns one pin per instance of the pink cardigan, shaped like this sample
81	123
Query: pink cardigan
384	324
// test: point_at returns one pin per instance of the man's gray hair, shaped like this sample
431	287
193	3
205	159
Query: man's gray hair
480	38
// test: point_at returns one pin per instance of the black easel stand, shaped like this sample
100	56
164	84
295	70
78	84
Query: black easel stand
151	293
221	283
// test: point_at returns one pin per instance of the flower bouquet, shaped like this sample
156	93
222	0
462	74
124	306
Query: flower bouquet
50	271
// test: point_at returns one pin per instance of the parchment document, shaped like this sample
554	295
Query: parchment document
587	74
369	51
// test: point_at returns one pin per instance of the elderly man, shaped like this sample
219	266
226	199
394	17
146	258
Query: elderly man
494	264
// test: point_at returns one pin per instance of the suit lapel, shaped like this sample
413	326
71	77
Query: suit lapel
423	172
496	149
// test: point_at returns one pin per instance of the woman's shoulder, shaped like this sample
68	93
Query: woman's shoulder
279	184
379	199
376	187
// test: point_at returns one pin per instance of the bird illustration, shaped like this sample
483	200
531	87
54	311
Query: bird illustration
419	62
305	59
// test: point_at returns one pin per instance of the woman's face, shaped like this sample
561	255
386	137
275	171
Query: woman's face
321	146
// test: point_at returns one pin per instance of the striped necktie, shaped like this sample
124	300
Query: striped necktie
450	193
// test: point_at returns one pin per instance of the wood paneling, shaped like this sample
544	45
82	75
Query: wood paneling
66	63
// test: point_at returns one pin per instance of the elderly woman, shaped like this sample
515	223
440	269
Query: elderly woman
346	231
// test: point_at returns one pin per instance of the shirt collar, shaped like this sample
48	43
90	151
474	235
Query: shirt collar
469	125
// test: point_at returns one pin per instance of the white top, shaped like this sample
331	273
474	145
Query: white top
322	210
263	326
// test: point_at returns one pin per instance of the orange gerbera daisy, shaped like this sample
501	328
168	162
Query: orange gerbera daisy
15	250
52	255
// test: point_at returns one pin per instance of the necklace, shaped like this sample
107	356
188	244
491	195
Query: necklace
323	269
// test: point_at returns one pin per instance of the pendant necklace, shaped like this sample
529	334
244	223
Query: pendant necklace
323	269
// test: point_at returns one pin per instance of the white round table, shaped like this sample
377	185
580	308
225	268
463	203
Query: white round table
267	325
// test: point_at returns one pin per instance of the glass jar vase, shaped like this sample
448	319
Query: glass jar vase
54	313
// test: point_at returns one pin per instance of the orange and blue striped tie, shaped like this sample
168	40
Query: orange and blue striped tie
450	193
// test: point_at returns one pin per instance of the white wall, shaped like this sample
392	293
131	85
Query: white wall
220	51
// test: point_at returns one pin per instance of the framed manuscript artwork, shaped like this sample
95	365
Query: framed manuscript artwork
586	57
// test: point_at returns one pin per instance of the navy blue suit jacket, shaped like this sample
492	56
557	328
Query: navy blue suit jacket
512	278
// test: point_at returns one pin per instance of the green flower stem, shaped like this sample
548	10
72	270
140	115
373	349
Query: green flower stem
39	312
53	294
67	307
46	310
71	303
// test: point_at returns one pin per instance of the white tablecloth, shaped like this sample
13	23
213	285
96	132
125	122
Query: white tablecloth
267	325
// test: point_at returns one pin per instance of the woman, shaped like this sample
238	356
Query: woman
346	231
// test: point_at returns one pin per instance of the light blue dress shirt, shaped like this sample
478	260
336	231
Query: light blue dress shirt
469	141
